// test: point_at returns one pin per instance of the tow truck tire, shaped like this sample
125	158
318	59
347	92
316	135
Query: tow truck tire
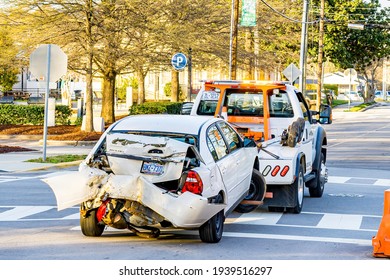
316	186
299	188
256	192
90	225
211	231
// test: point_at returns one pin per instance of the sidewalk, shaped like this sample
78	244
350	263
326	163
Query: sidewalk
16	161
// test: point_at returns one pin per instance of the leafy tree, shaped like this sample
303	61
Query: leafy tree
362	50
8	60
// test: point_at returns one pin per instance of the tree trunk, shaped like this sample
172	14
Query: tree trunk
141	87
108	97
89	92
175	86
89	102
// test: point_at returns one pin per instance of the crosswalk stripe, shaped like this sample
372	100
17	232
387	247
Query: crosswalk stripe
75	216
340	221
256	218
19	212
325	220
382	182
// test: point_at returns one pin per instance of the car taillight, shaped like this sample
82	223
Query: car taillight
193	183
102	210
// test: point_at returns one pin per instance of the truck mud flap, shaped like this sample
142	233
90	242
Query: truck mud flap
282	196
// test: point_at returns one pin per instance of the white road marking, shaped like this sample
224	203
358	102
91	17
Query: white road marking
20	212
75	216
382	182
338	180
362	242
256	218
340	221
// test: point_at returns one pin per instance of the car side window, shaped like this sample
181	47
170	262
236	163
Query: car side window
231	136
216	143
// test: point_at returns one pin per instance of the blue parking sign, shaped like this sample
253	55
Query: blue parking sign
179	61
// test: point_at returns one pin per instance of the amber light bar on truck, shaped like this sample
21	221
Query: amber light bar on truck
245	82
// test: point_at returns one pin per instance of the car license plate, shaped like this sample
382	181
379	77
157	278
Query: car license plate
152	168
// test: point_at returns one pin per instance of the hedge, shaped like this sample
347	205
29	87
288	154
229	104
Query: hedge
156	108
32	114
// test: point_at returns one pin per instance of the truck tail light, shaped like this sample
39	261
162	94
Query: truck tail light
275	171
284	171
193	183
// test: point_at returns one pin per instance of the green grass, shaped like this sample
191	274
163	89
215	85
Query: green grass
59	159
360	107
336	102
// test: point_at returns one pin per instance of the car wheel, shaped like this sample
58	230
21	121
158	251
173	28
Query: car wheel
211	231
316	186
90	225
298	186
256	192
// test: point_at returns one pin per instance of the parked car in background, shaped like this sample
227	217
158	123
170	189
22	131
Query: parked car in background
153	171
353	96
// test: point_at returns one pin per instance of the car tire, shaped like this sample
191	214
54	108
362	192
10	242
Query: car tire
256	192
211	231
90	225
299	188
317	185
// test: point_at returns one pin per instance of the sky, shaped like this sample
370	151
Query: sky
385	3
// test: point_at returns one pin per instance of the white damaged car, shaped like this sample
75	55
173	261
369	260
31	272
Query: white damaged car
152	171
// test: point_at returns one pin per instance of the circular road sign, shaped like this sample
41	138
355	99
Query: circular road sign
39	64
179	61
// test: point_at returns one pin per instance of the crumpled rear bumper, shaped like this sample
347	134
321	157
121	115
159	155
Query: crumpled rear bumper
186	210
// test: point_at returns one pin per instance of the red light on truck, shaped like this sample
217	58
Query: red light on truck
284	171
275	171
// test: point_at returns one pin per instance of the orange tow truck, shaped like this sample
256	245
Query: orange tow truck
292	143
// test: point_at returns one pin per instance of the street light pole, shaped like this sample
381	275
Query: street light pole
302	59
320	54
233	40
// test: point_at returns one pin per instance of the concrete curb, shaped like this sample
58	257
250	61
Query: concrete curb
48	142
56	165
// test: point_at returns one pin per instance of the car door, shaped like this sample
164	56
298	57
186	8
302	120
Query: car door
225	148
241	164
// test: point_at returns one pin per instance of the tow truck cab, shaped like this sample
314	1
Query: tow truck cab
259	110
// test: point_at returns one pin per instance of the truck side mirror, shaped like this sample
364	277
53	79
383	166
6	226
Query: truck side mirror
325	114
186	108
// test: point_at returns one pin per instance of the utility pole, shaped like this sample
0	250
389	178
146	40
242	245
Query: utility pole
189	74
320	54
302	59
233	40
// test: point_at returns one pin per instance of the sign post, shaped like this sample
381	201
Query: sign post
351	73
50	63
292	73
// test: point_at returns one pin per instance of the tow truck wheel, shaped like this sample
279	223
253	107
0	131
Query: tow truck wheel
90	225
316	186
298	186
256	192
211	231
